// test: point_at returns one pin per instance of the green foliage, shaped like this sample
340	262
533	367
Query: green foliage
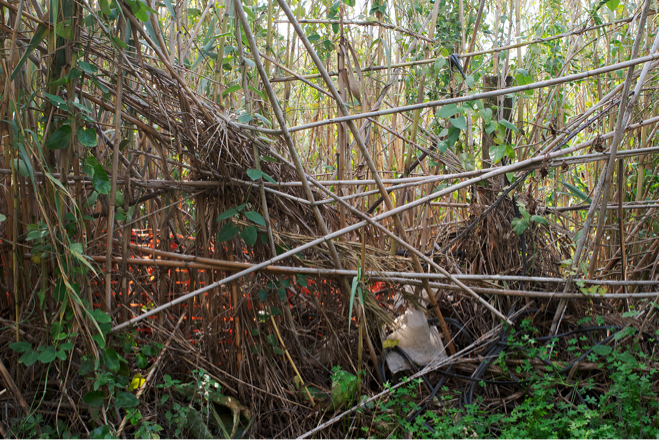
345	388
100	179
552	408
255	217
357	286
459	123
60	138
87	137
258	174
498	151
230	230
522	224
249	235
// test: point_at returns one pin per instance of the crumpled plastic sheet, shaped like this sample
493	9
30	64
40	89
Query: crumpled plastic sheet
420	341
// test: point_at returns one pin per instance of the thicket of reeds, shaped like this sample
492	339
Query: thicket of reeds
237	193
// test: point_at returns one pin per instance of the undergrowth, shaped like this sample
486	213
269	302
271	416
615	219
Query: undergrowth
622	404
613	398
193	407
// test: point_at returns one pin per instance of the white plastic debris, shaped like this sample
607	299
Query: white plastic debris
419	340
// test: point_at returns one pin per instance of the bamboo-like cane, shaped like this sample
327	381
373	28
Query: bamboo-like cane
578	30
113	177
483	95
366	156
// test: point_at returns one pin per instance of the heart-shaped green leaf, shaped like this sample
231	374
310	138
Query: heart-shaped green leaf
249	234
228	232
60	138
87	137
255	217
94	398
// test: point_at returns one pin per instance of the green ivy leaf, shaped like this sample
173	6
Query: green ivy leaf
269	179
453	135
523	77
245	118
126	400
497	152
627	331
249	234
508	125
141	10
520	225
119	42
459	123
231	90
105	7
100	340
467	161
47	355
20	347
227	214
522	210
111	359
87	137
102	432
57	101
94	398
141	361
263	295
627	358
255	217
29	358
254	174
37	234
489	128
60	138
447	111
228	232
150	350
120	215
612	4
85	66
101	317
602	350
100	180
540	219
257	91
440	62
